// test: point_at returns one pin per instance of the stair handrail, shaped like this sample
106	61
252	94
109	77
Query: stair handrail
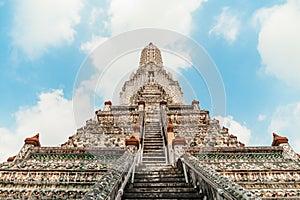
163	127
129	174
221	185
113	178
142	136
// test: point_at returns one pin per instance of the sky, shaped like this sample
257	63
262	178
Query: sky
254	44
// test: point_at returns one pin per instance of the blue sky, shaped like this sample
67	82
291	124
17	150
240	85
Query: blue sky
254	44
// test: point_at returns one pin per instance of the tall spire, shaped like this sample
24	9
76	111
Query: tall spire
150	54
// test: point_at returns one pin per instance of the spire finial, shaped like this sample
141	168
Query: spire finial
151	54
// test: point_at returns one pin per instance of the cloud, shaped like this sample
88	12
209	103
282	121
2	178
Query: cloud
171	14
285	122
279	41
227	26
83	97
126	15
261	117
92	44
52	117
38	25
95	15
241	131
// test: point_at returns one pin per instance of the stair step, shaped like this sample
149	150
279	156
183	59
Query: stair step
153	136
164	170
153	147
154	154
159	195
158	173
154	162
163	189
161	169
154	159
152	139
166	175
153	143
159	180
153	151
152	132
150	155
165	184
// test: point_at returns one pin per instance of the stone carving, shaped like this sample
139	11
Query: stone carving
150	67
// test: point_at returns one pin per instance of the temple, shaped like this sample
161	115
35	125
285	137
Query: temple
152	146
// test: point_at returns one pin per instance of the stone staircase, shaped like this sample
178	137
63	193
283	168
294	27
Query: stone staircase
165	183
154	179
153	151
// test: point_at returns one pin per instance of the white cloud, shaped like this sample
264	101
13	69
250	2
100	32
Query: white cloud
83	100
170	14
92	44
227	26
285	122
241	131
279	41
95	15
52	117
10	143
261	117
126	15
38	25
176	62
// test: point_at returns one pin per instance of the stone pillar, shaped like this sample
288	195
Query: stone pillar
163	104
196	105
132	144
141	110
170	140
178	147
107	106
141	105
